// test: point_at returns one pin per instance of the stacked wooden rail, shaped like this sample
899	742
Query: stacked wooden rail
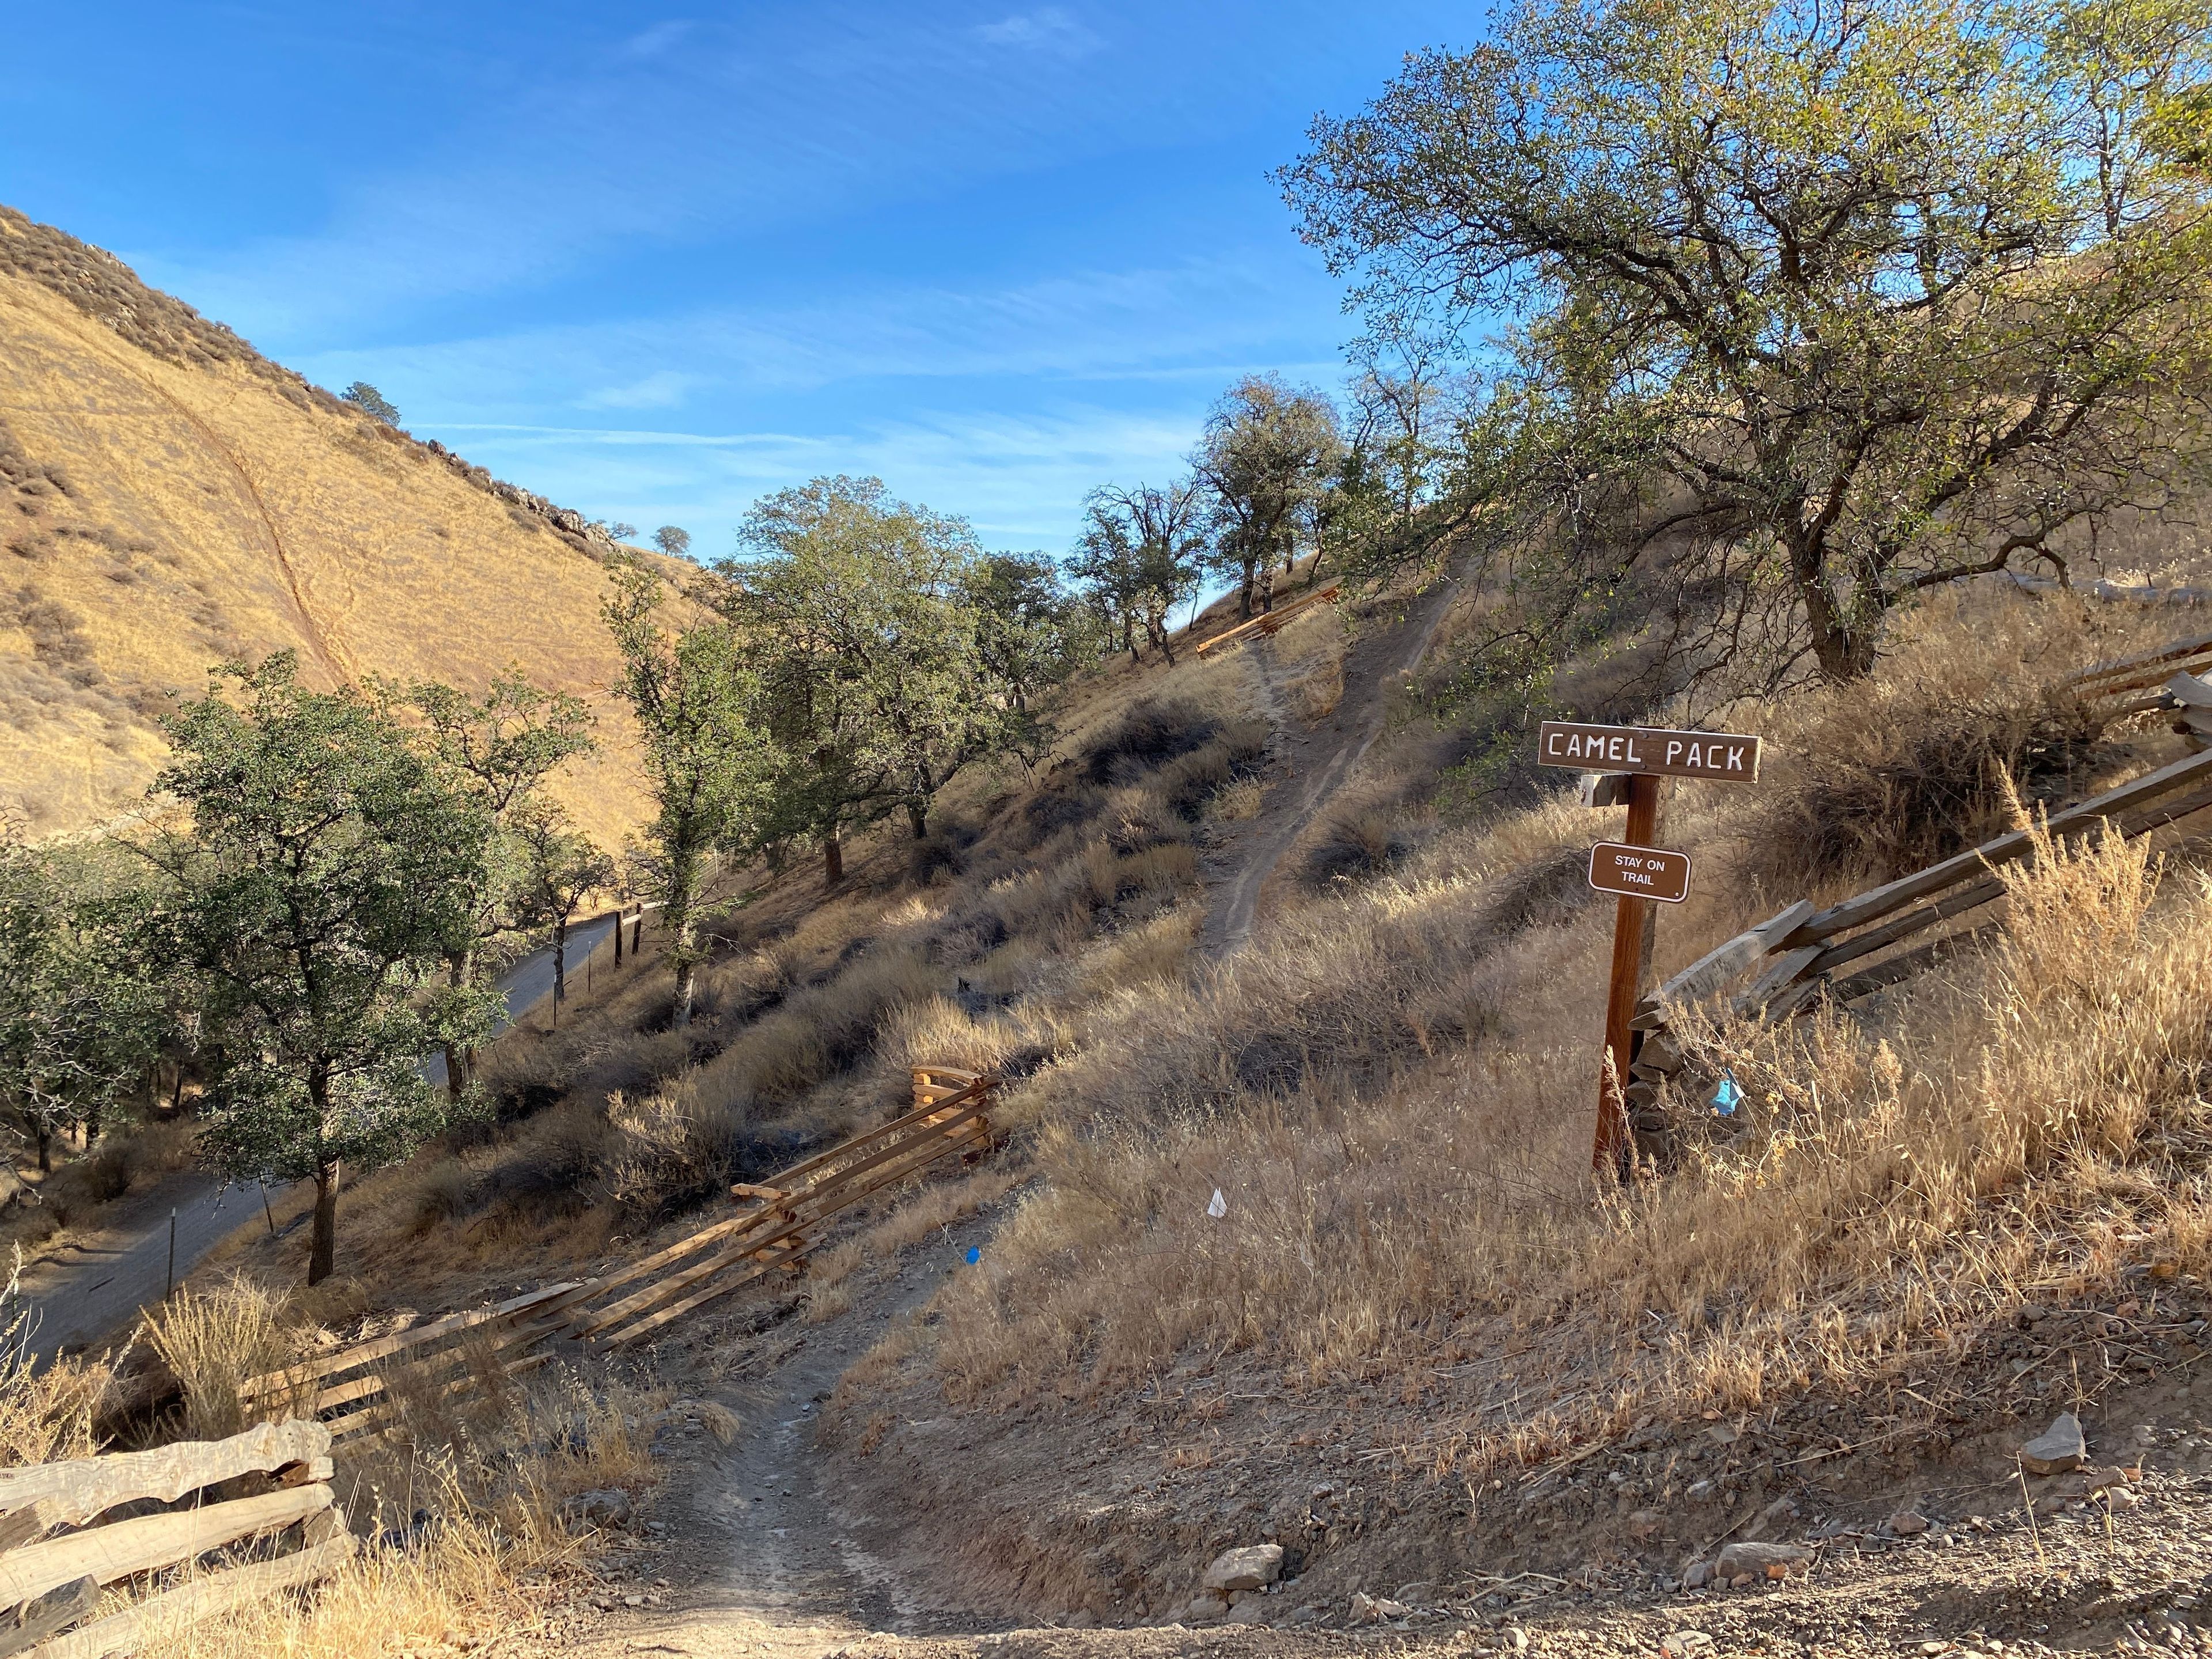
1268	622
365	1385
58	1550
1795	957
781	1222
2170	681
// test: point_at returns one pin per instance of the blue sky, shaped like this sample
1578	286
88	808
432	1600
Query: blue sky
653	262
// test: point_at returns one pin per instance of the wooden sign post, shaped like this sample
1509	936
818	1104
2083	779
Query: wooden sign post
1645	755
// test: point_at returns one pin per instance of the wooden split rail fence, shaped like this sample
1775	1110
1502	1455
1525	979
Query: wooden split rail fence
59	1551
1268	622
1799	956
365	1385
2178	672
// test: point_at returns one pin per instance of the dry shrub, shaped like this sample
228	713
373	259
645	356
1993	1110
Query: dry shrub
1911	764
469	1518
825	1302
818	1032
213	1341
1235	802
1355	847
834	1266
1872	1204
669	1150
1149	734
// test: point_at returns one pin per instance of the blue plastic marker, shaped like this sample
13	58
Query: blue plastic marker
974	1254
1726	1097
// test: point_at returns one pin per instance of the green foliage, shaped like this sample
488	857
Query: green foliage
896	653
673	540
708	762
368	399
1815	306
1141	554
83	1004
1266	457
324	869
496	750
561	867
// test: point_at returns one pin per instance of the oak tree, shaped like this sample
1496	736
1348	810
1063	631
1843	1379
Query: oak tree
321	869
1815	306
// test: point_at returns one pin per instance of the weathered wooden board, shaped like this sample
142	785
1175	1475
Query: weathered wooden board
125	1548
1648	750
1879	902
74	1492
203	1598
362	1353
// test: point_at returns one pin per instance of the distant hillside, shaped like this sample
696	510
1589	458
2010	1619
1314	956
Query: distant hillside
169	498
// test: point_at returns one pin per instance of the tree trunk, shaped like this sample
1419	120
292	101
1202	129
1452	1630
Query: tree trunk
833	860
683	882
917	815
1244	592
43	1133
687	983
460	1061
323	1248
1843	653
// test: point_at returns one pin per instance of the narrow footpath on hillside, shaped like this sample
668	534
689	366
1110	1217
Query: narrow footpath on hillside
1313	763
762	1558
97	1282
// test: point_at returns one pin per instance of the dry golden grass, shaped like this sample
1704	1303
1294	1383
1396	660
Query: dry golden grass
212	1339
1868	780
494	1501
214	509
1885	1194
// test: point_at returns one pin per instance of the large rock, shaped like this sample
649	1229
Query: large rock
1245	1569
2058	1448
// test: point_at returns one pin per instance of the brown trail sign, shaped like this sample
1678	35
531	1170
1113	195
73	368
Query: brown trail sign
1646	754
1640	872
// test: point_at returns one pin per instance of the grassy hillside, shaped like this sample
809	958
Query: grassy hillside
169	497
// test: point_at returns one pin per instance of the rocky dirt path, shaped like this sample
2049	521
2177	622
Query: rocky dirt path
1313	762
1987	1584
758	1554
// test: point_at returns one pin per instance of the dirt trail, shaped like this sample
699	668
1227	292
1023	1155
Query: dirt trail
1316	762
762	1558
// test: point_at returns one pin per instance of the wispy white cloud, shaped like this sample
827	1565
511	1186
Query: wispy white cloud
1019	479
1051	29
665	388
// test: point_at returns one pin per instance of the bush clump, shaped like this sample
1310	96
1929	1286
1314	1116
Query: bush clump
1152	733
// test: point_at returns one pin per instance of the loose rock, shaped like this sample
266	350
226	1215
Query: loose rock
2058	1448
1245	1569
1754	1560
606	1506
1205	1607
1907	1523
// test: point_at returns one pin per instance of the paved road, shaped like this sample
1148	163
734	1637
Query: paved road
529	981
97	1284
